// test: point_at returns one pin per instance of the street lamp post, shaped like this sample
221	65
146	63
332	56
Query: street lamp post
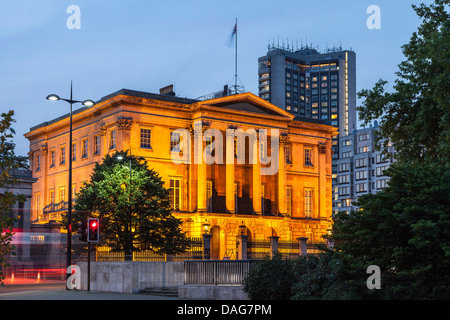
88	103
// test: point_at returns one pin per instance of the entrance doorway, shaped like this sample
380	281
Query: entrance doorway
218	244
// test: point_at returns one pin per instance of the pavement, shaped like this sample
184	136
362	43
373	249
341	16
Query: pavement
57	291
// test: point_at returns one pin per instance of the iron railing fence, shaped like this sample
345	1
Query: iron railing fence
217	272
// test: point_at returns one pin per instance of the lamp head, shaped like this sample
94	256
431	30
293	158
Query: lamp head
88	103
53	97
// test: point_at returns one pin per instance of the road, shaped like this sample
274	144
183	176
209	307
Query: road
57	291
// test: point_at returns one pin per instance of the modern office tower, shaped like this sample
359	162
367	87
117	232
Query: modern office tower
310	84
360	168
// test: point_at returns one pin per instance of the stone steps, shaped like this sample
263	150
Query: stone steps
164	292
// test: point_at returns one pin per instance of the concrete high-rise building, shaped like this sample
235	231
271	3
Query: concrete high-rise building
360	168
311	84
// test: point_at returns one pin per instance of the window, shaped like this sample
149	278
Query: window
175	140
364	137
288	154
381	158
112	139
289	201
361	175
308	203
346	143
62	197
74	151
84	148
38	201
343	167
96	144
52	158
361	163
347	154
38	162
175	194
308	157
209	196
263	150
344	178
361	187
381	184
380	170
347	203
262	199
62	155
363	149
344	191
52	196
74	188
146	139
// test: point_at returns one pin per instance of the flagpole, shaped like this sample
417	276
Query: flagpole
235	64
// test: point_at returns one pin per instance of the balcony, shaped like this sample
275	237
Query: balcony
56	207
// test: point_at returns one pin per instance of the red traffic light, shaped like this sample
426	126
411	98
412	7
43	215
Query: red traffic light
93	230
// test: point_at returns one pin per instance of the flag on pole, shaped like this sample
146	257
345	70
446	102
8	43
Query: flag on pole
233	34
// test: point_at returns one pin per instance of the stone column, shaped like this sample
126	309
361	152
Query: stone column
303	246
242	246
322	209
229	182
201	167
282	210
273	245
256	171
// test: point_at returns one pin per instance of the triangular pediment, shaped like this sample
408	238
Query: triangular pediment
248	102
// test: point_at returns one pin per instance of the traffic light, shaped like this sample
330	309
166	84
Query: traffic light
82	230
93	233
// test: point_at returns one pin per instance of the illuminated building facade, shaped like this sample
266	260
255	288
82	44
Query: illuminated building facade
295	201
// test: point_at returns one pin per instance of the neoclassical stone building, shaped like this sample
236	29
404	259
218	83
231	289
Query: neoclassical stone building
292	201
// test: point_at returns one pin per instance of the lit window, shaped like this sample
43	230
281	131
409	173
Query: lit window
38	162
112	139
308	157
175	140
84	148
97	144
74	151
209	195
308	203
289	201
52	158
62	155
288	154
175	194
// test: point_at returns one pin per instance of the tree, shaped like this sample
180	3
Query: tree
415	116
8	162
134	210
270	279
405	230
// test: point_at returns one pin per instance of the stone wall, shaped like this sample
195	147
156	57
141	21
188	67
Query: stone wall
131	277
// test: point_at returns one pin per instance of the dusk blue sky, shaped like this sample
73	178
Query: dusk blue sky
146	45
